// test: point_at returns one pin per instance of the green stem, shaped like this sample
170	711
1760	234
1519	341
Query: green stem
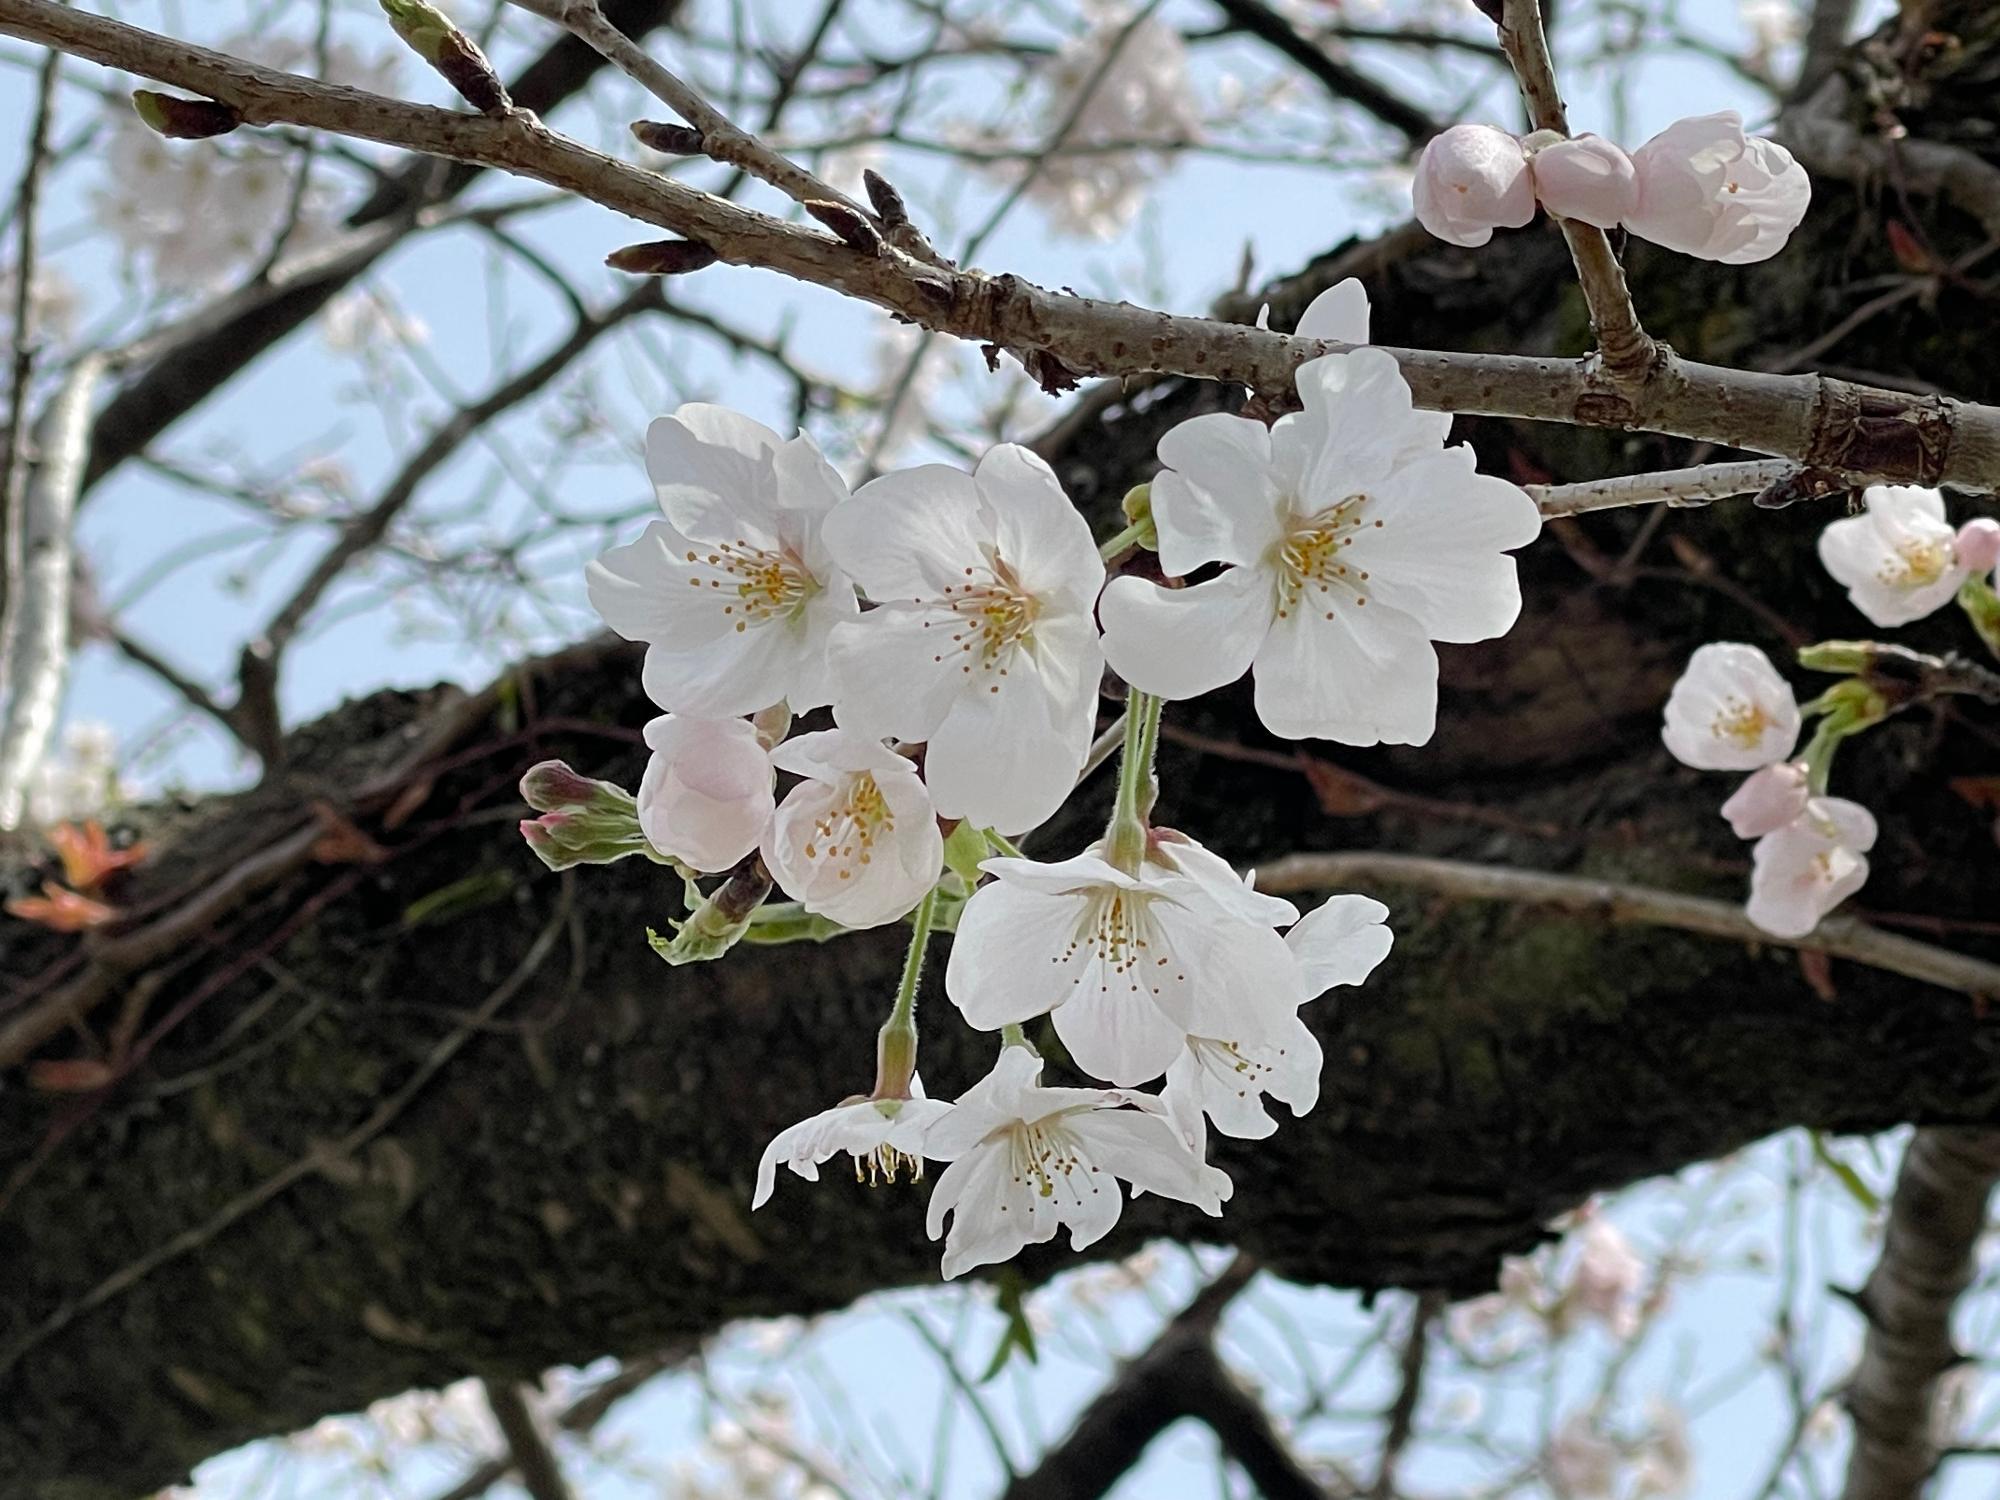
1011	1035
1004	844
921	921
1125	839
896	1042
1127	539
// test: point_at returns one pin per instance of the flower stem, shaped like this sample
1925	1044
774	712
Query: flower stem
1132	536
1011	1035
1125	839
1004	844
896	1043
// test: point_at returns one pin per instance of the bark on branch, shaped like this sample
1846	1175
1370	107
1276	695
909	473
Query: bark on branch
1818	421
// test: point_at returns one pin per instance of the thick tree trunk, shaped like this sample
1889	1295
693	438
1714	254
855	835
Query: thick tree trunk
442	1113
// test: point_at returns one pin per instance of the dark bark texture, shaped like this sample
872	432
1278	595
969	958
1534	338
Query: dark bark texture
574	1179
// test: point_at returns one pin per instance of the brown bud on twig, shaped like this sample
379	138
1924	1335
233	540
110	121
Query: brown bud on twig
662	258
888	203
672	140
850	224
185	119
456	57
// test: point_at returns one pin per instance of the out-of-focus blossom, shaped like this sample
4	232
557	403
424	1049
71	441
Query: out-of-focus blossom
1606	1279
1582	1462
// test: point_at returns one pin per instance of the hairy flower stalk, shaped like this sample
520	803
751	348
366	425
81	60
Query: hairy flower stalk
1138	789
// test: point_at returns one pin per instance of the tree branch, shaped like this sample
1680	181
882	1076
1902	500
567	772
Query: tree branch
1819	421
1929	1254
1629	352
534	1461
1256	19
34	636
1613	901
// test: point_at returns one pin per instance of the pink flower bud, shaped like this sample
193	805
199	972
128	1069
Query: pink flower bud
1768	800
1978	544
1587	179
552	784
1472	180
1705	189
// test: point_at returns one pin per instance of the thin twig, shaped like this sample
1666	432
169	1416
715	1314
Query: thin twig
541	1475
1627	349
1613	901
1672	486
27	221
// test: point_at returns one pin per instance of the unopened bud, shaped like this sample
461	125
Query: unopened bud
1977	544
433	36
720	922
1138	503
886	201
1982	608
850	224
185	119
669	140
583	821
662	258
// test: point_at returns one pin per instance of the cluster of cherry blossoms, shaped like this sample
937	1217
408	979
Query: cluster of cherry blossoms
1900	560
1700	186
951	623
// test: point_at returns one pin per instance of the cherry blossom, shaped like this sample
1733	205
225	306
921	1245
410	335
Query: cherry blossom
1768	799
1585	178
981	640
1899	559
884	1136
1026	1160
1356	538
1224	1081
1606	1279
706	794
1126	965
1730	711
733	592
1804	870
1140	97
1472	180
1978	544
857	840
1706	189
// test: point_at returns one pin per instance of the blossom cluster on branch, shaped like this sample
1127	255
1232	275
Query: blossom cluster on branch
951	623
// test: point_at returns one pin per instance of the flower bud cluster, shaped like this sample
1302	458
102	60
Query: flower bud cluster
1700	186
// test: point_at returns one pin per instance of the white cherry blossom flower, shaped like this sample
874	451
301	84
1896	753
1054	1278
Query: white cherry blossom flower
1340	313
1141	98
1899	558
1768	799
1606	1279
981	641
733	592
1586	178
857	840
1472	180
1224	1081
1706	189
706	796
1126	966
1730	711
1026	1160
884	1136
1356	539
1804	870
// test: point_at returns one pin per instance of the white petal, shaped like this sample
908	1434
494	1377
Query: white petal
1439	553
706	794
1006	962
829	754
904	535
1358	426
1340	942
735	674
646	591
1219	880
988	1105
713	469
1145	1149
1216	500
1007	757
1040	534
1339	313
1116	1033
893	676
1180	643
1366	677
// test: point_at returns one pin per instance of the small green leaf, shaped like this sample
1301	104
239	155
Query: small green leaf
1848	1178
1019	1334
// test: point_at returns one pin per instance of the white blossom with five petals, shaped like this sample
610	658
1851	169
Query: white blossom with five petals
1802	871
1127	966
1730	711
857	840
733	592
884	1136
1899	559
1026	1160
706	796
981	640
1355	539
